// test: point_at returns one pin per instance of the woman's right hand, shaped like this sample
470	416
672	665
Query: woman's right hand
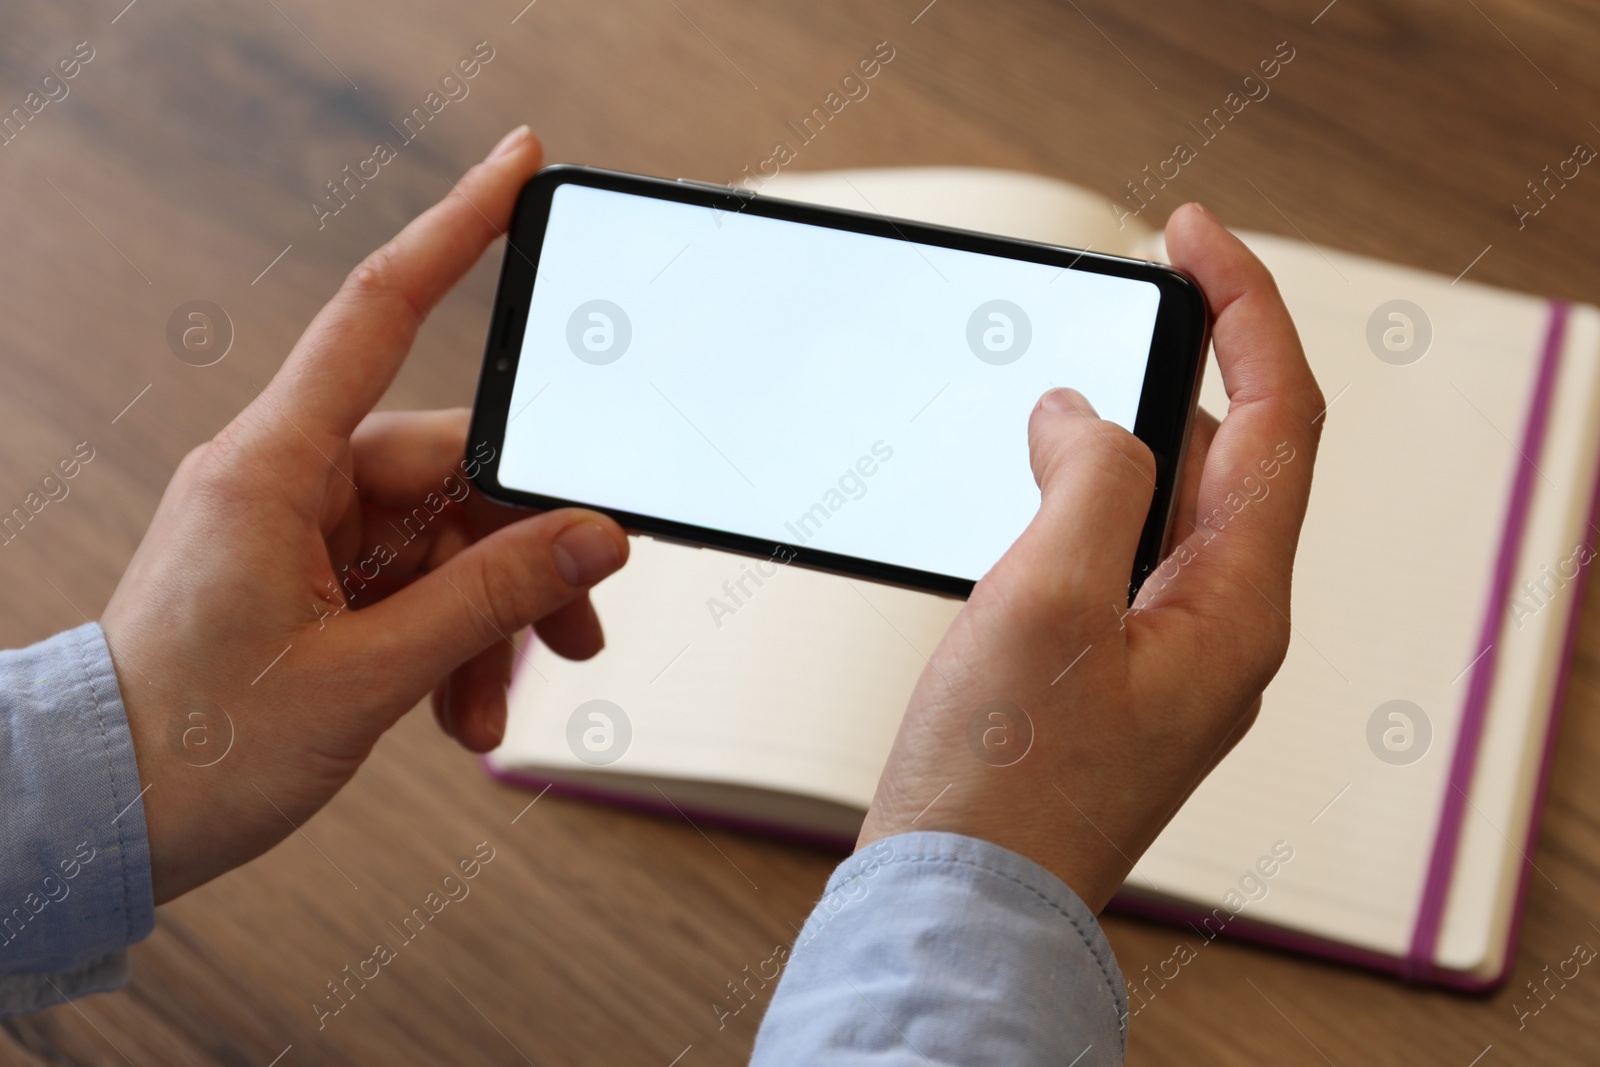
1121	713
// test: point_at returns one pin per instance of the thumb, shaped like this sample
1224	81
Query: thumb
483	595
1095	481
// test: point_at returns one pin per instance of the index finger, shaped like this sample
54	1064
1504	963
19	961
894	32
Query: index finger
1263	448
352	350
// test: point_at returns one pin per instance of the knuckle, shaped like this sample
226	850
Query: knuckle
476	174
195	460
1264	650
199	470
210	465
1117	451
1313	406
1137	452
375	274
1102	446
1247	719
1263	290
379	278
1037	606
1241	647
1269	285
1066	607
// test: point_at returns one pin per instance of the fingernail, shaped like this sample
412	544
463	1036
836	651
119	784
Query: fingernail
1202	208
584	554
1065	401
510	142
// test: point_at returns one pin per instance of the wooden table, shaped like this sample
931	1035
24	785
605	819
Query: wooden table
182	165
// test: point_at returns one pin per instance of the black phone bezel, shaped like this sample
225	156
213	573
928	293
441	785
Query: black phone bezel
1166	403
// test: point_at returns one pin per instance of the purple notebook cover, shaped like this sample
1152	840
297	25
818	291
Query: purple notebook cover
1416	966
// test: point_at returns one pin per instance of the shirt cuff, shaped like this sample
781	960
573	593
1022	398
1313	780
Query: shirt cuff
74	854
942	948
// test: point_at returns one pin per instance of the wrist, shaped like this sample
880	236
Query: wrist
1054	836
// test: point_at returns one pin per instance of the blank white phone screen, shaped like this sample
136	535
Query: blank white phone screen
804	385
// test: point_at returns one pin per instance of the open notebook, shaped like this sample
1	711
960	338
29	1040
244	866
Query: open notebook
1442	564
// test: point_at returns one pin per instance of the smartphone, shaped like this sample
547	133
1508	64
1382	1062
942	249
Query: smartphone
833	389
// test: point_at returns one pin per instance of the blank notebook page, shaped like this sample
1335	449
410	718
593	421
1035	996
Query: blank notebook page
799	690
1491	857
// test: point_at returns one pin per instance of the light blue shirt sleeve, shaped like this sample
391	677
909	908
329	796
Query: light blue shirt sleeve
74	857
936	948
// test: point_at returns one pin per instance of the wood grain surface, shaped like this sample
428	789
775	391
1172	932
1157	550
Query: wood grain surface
183	164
